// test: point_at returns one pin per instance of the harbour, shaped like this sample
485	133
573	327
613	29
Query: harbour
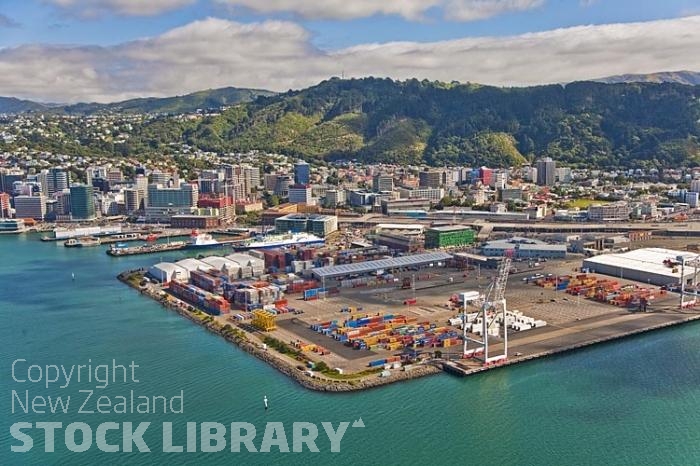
573	389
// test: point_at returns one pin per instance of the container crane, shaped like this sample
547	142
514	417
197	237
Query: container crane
493	303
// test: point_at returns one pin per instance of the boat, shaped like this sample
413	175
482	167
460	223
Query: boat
84	242
202	241
277	241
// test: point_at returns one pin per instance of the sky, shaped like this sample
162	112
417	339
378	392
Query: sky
108	50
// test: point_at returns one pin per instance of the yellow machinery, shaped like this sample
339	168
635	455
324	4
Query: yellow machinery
264	320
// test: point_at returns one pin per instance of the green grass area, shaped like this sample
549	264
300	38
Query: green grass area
584	203
332	374
135	279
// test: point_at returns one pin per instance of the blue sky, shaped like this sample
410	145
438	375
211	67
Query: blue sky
41	22
111	49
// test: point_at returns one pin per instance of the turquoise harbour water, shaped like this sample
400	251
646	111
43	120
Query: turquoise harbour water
633	402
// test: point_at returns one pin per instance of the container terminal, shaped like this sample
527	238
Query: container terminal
346	317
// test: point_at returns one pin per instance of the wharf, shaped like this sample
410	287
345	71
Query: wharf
162	247
551	340
142	237
147	249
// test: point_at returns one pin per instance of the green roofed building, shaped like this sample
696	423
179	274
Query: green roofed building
448	236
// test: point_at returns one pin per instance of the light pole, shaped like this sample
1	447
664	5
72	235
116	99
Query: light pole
681	259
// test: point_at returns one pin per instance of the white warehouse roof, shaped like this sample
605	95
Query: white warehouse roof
219	263
400	226
193	264
167	271
245	259
646	260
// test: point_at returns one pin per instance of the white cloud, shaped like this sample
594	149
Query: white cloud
472	10
456	10
338	9
92	8
278	55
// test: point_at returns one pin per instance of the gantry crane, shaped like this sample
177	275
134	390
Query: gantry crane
494	302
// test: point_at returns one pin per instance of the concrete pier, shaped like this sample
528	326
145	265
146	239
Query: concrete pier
548	341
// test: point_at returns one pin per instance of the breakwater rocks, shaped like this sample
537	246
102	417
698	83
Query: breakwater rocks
282	363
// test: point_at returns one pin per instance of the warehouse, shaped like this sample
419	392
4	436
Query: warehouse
192	264
656	266
525	248
319	225
434	259
165	272
448	236
249	266
229	267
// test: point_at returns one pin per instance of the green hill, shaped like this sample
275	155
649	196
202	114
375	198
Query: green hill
209	99
587	124
14	105
691	78
583	123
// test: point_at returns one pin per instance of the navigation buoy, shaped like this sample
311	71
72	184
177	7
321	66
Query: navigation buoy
265	401
72	275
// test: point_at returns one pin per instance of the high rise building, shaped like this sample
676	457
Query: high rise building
335	197
300	194
695	186
270	181
282	185
141	185
221	204
485	175
30	207
211	181
383	183
499	180
564	174
8	178
251	177
95	172
82	202
58	179
114	175
43	179
302	172
166	179
546	171
4	205
163	203
430	178
132	200
62	203
185	195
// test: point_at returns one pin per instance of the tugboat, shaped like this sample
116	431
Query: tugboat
85	242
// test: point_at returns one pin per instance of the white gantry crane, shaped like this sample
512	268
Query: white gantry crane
493	304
